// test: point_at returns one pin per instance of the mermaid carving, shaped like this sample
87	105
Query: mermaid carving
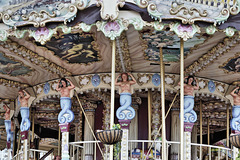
8	126
190	84
125	111
24	110
64	87
235	122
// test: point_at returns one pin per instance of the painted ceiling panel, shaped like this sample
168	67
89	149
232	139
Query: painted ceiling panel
74	48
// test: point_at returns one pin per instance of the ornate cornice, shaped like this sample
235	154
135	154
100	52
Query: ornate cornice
34	58
208	58
63	13
191	11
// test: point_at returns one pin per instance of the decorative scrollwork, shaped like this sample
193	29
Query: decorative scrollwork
107	13
40	19
142	3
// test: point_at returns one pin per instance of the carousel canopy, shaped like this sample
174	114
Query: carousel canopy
42	41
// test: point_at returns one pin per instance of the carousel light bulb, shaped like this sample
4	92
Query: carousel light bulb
99	89
152	89
93	90
158	89
105	89
146	89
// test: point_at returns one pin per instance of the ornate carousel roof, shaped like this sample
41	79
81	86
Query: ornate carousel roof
42	41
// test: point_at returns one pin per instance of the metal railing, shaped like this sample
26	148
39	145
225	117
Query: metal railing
33	153
78	150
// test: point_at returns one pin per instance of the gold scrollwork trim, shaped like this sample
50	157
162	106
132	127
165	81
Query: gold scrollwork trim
139	75
11	83
88	77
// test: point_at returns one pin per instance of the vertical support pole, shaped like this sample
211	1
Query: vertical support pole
149	114
33	124
208	137
182	98
208	131
59	142
25	149
112	93
124	144
228	125
164	149
201	138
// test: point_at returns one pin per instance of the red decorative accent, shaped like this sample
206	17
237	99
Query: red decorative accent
8	145
188	127
24	135
64	127
235	132
124	123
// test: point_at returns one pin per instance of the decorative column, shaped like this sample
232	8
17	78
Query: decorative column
65	117
194	140
190	117
125	113
89	109
24	127
133	129
175	132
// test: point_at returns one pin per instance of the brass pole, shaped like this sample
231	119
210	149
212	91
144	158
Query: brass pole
208	131
162	69
201	138
149	114
227	125
59	142
33	124
182	97
112	93
208	137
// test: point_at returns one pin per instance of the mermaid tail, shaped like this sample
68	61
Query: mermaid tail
65	115
189	114
125	102
8	129
235	122
25	123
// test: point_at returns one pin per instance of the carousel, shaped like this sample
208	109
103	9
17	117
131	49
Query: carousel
119	79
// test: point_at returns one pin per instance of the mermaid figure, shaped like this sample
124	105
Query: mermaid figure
235	122
125	111
8	125
24	110
190	85
64	87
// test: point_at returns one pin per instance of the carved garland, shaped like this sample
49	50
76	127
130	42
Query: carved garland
124	49
213	54
22	64
10	83
34	58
